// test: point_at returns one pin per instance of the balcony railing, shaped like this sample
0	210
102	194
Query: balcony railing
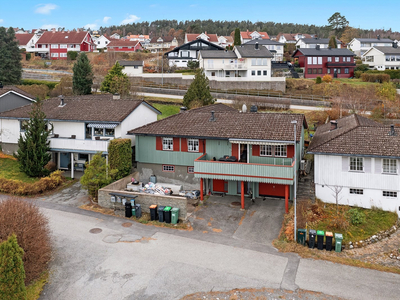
340	64
278	170
79	145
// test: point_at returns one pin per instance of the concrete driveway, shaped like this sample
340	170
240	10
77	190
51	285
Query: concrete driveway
260	222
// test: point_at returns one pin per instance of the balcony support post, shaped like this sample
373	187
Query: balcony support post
242	194
201	189
287	198
72	165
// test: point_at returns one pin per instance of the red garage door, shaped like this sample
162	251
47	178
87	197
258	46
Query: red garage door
220	186
270	189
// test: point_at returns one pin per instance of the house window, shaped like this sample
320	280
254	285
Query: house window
314	71
320	60
281	151
265	150
315	60
259	61
344	59
389	194
264	61
227	73
336	59
356	164
63	54
259	72
212	73
168	143
309	60
253	73
349	59
253	62
88	132
319	71
210	63
389	166
190	170
63	46
309	71
54	46
328	70
23	125
356	191
265	73
193	145
54	55
329	59
346	70
168	168
338	70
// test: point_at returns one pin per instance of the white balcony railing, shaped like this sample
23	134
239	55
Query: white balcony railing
74	144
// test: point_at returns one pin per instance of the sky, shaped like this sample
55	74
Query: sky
29	14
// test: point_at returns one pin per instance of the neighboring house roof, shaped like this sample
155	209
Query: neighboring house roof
127	63
193	36
228	38
368	40
122	43
251	51
356	135
100	108
59	37
324	52
176	49
10	88
23	38
247	34
317	41
227	124
287	36
217	54
388	50
166	39
136	36
263	42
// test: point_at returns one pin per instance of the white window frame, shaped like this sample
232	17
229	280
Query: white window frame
193	145
63	46
355	163
54	46
168	168
210	63
320	60
54	55
349	59
63	54
315	60
281	151
167	144
356	191
337	59
309	61
190	170
389	166
265	150
329	59
389	194
264	62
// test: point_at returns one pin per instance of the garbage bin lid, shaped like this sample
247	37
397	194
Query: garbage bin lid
161	207
153	206
137	204
338	236
312	231
328	233
167	208
301	230
320	232
175	209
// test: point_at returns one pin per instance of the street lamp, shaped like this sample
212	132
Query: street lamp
294	122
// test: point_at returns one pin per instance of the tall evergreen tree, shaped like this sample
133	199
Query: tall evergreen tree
12	273
198	93
332	42
10	57
116	81
82	79
33	147
338	23
237	40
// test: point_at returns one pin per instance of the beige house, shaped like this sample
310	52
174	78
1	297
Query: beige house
382	58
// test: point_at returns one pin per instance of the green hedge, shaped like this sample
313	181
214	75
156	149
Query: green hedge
120	156
394	74
51	84
368	77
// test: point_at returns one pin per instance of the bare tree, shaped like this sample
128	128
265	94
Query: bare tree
336	190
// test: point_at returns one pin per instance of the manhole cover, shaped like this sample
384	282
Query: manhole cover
95	230
235	204
126	224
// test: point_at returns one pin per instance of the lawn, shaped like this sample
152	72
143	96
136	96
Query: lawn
354	81
9	169
166	110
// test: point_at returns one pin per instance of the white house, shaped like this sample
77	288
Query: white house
81	126
357	160
247	36
274	47
158	44
101	42
291	38
115	36
382	58
132	67
313	42
27	41
360	45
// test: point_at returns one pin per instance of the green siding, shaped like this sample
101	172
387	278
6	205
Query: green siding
218	148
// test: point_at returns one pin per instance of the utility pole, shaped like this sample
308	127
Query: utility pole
294	122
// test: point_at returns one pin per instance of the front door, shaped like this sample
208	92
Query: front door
220	185
65	160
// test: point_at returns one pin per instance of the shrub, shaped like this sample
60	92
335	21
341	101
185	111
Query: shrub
50	84
318	80
299	70
72	55
37	90
120	156
33	234
356	216
386	91
28	56
357	74
327	78
51	166
362	68
368	77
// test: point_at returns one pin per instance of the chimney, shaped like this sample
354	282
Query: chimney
53	30
317	47
392	131
116	96
333	125
212	119
182	109
253	108
378	36
256	46
62	103
77	30
244	108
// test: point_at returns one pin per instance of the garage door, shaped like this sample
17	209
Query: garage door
270	189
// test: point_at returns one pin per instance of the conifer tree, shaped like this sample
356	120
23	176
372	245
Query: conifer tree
33	146
116	81
198	92
10	57
12	273
82	79
332	42
237	40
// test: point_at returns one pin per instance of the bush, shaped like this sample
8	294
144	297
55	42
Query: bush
318	80
28	56
72	55
29	224
362	67
357	74
368	77
120	156
327	78
299	70
50	84
40	91
386	91
356	216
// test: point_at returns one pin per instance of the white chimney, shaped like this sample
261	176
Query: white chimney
116	97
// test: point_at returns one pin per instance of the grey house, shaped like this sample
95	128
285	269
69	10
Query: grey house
12	97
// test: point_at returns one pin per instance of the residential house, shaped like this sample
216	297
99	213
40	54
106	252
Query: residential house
102	41
138	37
27	41
225	41
356	162
159	44
132	67
123	46
247	36
181	55
276	48
360	45
115	36
339	63
291	38
313	42
382	58
212	38
81	126
220	150
12	97
56	44
249	62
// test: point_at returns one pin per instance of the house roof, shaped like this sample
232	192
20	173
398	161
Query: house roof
288	36
166	39
317	41
176	49
99	108
356	135
11	88
228	123
368	40
212	37
23	38
247	34
323	52
127	63
263	42
62	37
229	39
217	54
388	50
136	36
122	43
251	51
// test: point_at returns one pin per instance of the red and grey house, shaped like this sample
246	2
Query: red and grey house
221	150
124	46
339	63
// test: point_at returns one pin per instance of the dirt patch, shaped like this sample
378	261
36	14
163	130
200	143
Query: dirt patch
205	231
209	224
126	224
242	218
217	230
252	213
145	240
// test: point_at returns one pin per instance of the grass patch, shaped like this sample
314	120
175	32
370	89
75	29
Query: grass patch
353	81
161	99
35	288
166	110
9	169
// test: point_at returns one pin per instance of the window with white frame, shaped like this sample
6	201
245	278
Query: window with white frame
337	59
63	54
63	46
193	145
264	61
389	166
168	168
346	70
281	151
266	150
349	59
168	143
253	73
356	164
259	61
190	170
54	46
54	55
356	191
320	60
309	60
23	125
253	62
344	59
329	59
265	73
259	72
315	60
210	63
389	194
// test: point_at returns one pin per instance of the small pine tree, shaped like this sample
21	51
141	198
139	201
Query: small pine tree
237	40
116	81
199	91
332	42
82	79
10	57
12	273
33	147
318	80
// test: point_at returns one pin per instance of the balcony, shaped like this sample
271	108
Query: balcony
340	64
70	144
278	170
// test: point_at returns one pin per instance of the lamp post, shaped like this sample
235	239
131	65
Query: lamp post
294	122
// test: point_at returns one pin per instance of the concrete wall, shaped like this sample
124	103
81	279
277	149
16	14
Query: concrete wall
145	200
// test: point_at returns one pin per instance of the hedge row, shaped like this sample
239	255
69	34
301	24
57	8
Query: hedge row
120	156
368	77
19	188
51	84
394	74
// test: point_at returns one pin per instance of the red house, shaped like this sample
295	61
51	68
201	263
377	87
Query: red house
339	63
56	44
124	46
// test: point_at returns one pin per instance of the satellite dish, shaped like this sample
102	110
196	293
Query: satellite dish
244	108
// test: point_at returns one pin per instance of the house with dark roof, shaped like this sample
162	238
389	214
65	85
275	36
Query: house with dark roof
339	63
382	58
80	126
12	97
357	159
274	47
218	149
132	67
360	45
313	42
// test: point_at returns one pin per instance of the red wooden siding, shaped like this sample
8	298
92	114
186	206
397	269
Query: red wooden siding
271	189
184	145
235	150
158	143
256	150
202	146
219	185
290	151
176	144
